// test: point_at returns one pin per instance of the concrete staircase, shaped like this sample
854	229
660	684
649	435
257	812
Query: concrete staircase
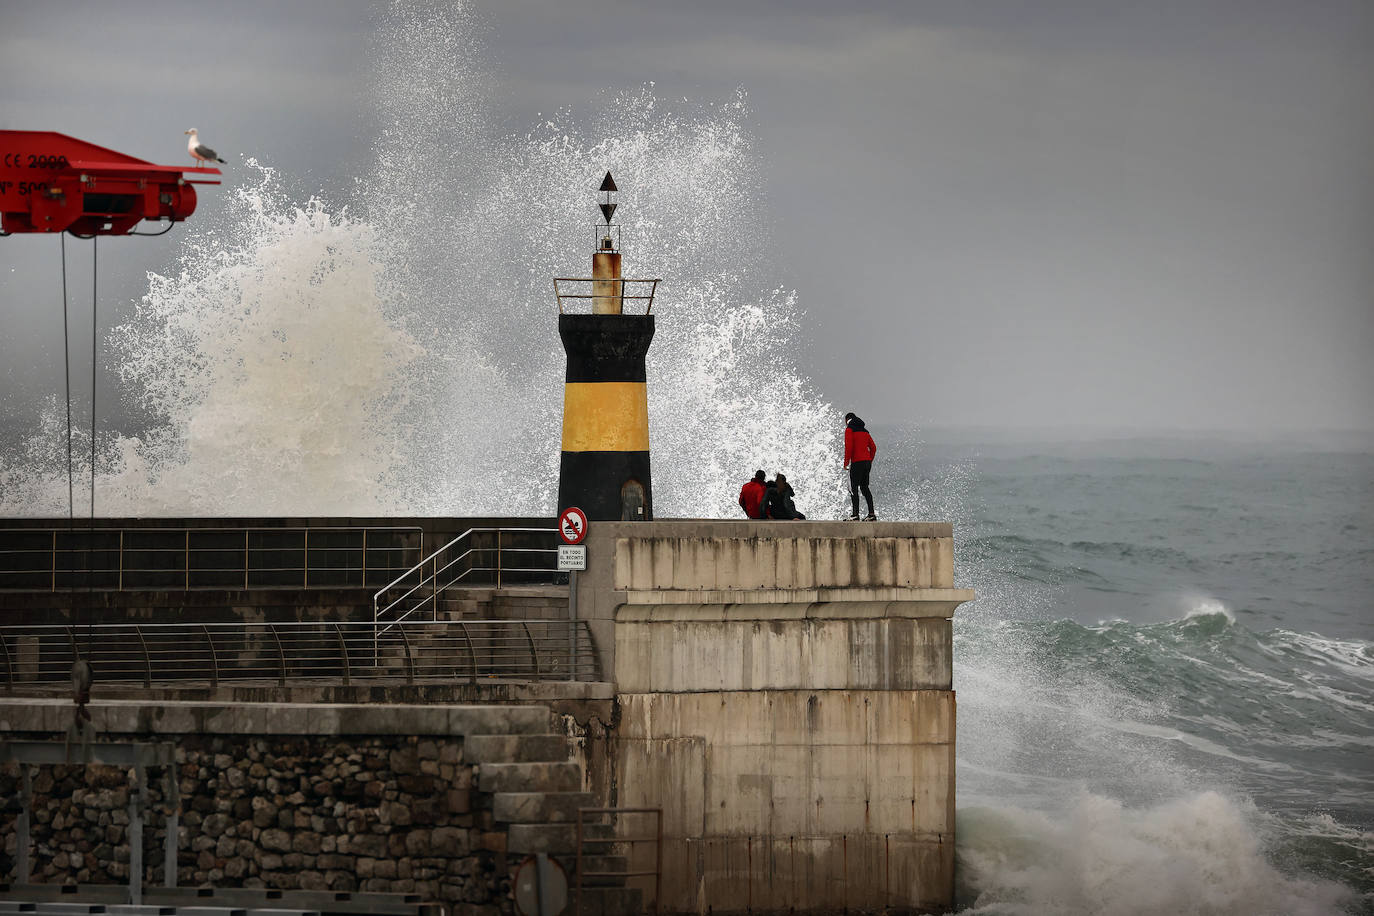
536	790
438	647
522	602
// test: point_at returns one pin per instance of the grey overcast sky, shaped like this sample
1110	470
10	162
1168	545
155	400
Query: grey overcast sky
1101	214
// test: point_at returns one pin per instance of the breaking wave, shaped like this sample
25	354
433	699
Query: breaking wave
399	354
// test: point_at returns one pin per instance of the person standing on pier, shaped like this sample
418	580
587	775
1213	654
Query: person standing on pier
859	449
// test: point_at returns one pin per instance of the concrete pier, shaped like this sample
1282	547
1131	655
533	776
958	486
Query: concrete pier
782	690
785	694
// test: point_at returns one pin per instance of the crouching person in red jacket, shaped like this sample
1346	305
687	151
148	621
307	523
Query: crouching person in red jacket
751	496
859	449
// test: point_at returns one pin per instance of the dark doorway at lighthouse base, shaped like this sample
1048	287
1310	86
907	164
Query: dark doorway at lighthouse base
608	486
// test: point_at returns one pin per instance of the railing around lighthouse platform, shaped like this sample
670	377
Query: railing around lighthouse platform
570	296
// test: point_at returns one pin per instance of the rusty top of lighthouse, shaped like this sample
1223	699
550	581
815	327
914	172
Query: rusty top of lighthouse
574	294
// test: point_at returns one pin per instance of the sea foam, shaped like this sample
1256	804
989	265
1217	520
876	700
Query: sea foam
1198	855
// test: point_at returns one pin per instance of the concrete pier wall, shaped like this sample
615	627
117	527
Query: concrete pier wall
782	690
785	694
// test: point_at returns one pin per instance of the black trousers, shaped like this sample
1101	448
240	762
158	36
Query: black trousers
858	482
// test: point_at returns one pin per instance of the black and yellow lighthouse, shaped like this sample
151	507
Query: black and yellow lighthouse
605	457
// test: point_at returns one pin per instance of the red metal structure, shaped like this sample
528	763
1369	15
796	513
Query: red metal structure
50	182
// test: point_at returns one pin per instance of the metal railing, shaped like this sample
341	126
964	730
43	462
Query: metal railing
53	559
623	295
472	651
603	873
468	559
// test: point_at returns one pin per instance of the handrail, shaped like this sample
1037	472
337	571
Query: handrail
343	654
145	655
429	587
137	558
281	652
582	840
621	295
214	659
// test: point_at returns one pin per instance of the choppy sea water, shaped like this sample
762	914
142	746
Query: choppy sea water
1165	686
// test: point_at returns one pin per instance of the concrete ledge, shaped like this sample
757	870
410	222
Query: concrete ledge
646	561
115	717
765	530
792	718
359	693
704	655
791	604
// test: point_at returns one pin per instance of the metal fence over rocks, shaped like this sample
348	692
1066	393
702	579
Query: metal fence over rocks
151	654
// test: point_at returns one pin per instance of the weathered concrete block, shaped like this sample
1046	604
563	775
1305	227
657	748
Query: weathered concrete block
520	748
850	653
612	901
540	807
491	720
942	563
649	767
530	777
559	839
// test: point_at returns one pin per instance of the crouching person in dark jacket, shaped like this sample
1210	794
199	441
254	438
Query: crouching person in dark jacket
777	500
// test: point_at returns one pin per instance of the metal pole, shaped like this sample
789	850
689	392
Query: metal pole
21	828
188	559
245	559
136	837
498	557
658	861
577	904
54	567
306	561
572	620
364	558
121	559
281	654
173	799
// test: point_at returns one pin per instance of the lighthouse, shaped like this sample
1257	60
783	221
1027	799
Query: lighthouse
606	324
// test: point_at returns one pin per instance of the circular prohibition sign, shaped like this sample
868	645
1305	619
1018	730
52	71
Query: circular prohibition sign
572	525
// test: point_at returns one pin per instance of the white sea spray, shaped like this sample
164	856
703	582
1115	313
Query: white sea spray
1194	855
399	355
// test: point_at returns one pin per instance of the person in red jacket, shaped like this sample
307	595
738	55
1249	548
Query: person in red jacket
751	496
859	449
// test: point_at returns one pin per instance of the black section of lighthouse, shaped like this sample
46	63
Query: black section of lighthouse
604	466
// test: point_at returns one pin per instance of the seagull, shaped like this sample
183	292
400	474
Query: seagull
199	151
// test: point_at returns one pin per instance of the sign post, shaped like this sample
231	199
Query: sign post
572	556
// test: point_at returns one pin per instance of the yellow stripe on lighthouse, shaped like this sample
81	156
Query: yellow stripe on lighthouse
605	417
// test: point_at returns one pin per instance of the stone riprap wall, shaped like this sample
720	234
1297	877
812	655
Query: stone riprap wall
344	798
364	814
80	822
